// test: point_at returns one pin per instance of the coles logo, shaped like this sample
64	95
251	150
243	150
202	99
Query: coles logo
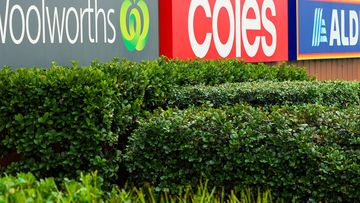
253	30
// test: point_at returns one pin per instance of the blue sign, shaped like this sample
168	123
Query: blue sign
327	29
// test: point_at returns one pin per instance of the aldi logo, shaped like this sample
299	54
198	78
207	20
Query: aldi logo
319	31
332	31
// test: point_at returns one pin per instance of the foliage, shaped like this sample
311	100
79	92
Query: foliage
25	188
59	121
266	93
165	75
309	151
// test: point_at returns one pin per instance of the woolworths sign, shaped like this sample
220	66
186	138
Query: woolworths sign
36	32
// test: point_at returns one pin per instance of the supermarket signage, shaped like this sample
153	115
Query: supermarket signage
36	32
253	30
328	29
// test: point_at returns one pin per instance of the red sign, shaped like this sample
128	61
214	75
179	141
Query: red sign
253	30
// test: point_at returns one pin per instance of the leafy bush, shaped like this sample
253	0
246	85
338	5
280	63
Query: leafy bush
131	84
25	188
59	121
310	151
196	72
266	93
165	75
160	76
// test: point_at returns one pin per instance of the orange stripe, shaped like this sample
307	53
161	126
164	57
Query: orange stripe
340	1
329	56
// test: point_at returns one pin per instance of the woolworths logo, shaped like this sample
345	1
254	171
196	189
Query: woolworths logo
134	24
41	22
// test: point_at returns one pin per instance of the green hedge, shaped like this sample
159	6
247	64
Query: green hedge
311	151
266	93
195	72
164	75
59	121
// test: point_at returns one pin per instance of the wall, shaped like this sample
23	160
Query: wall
332	69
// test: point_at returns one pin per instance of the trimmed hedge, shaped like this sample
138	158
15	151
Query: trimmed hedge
205	72
311	151
60	121
164	75
266	93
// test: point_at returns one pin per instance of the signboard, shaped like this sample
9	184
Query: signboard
253	30
327	29
36	32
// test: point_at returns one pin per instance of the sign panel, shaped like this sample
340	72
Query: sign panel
36	32
253	30
327	29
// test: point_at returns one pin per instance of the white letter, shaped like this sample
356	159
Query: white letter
3	27
56	22
89	10
334	30
36	40
97	13
43	22
238	28
223	49
111	11
269	50
251	24
200	50
82	15
344	39
72	41
17	7
354	32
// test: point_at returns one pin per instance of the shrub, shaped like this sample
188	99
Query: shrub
165	75
194	72
59	121
266	93
309	151
131	84
26	188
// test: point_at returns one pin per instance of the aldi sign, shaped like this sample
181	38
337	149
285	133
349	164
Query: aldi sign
35	32
253	30
327	29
